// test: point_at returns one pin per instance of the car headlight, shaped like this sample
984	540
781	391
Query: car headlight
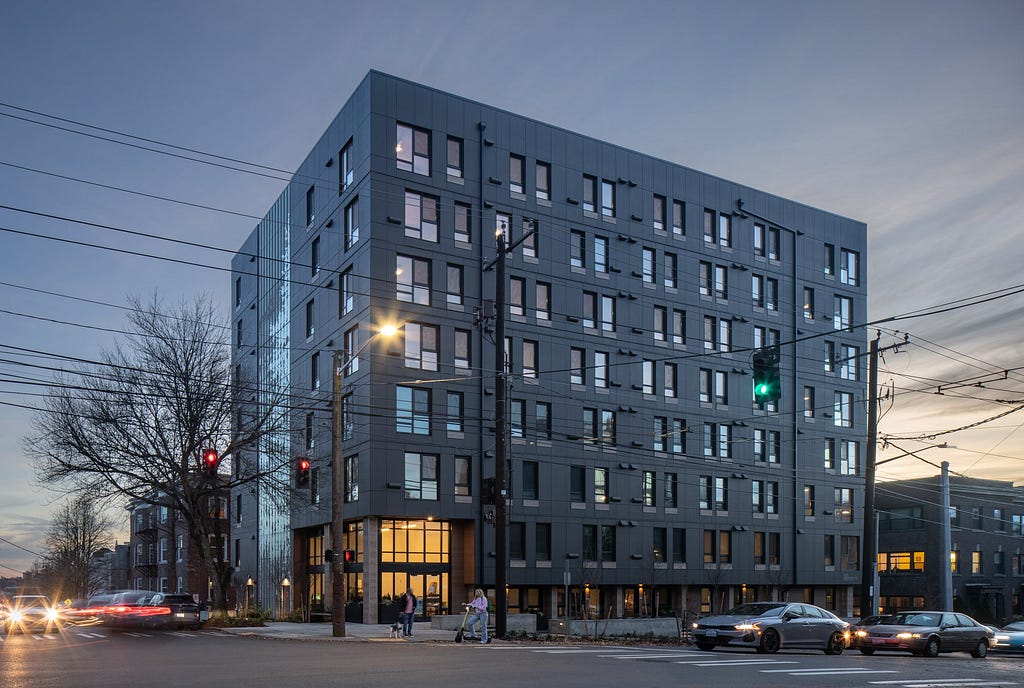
907	636
862	634
999	637
747	627
16	616
695	625
51	615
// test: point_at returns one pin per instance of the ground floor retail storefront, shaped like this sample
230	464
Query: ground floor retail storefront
438	560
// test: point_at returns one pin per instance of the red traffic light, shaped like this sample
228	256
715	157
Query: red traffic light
303	464
210	461
302	472
349	556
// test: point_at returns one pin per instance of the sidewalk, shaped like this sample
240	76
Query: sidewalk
422	632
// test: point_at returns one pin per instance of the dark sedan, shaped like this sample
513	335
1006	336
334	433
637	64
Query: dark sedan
771	626
926	633
154	611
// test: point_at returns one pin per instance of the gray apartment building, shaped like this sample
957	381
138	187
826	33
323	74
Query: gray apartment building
987	546
643	477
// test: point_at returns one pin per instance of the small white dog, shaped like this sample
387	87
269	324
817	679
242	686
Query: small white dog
396	630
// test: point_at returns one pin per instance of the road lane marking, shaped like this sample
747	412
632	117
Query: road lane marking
182	635
837	670
932	681
947	683
737	662
640	655
139	635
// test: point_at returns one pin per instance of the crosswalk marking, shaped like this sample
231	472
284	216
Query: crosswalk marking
844	670
641	655
738	662
946	683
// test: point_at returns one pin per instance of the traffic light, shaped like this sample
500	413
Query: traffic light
302	472
488	495
210	462
767	386
328	555
347	559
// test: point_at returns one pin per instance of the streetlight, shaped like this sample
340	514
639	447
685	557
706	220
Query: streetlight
337	478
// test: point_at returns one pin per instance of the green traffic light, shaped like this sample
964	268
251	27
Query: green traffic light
761	389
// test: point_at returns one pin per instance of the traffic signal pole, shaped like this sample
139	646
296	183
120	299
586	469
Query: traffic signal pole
337	508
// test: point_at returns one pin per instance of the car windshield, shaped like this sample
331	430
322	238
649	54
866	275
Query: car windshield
757	609
914	619
30	601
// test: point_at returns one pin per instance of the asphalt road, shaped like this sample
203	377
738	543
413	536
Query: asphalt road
84	658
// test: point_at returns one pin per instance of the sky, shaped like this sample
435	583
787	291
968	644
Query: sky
904	115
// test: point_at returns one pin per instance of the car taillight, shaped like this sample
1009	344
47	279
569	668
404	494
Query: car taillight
151	611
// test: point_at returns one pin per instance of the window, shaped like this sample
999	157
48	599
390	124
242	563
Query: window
678	445
721	282
543	294
530	356
659	542
808	303
516	167
310	206
238	292
529	239
454	150
843	410
600	485
608	548
704	385
678	218
709	226
412	279
516	294
607	427
531	480
721	387
308	434
421	475
809	501
773	243
771	294
463	475
350	342
346	297
772	498
346	172
647	376
830	453
848	364
590	429
830	260
705	487
1017	524
463	223
517	540
678	326
589	194
704	277
808	402
462	349
543	181
671	274
454	421
314	257
314	370
724	230
455	288
848	267
721	494
577	375
608	313
607	198
767	445
351	478
759	240
412	410
647	265
351	224
999	563
849	553
601	369
650	486
848	450
757	290
543	420
542	541
843	505
589	309
660	323
589	542
310	318
412	149
671	386
577	483
976	563
660	429
671	490
830	550
420	216
659	212
725	547
600	254
830	357
842	316
577	249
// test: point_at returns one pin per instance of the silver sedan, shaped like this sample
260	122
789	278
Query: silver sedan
771	626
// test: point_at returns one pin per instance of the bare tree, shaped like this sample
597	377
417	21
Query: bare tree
79	529
135	425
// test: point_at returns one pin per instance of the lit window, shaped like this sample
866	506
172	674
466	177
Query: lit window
412	149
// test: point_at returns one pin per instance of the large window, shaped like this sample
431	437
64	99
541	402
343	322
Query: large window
420	216
414	542
351	223
421	346
463	475
849	267
412	410
412	149
412	279
421	476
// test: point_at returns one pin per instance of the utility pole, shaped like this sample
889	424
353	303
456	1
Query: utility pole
500	548
870	549
337	507
947	544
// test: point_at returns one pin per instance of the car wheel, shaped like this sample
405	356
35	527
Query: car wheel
770	642
931	648
835	645
980	650
706	646
867	651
